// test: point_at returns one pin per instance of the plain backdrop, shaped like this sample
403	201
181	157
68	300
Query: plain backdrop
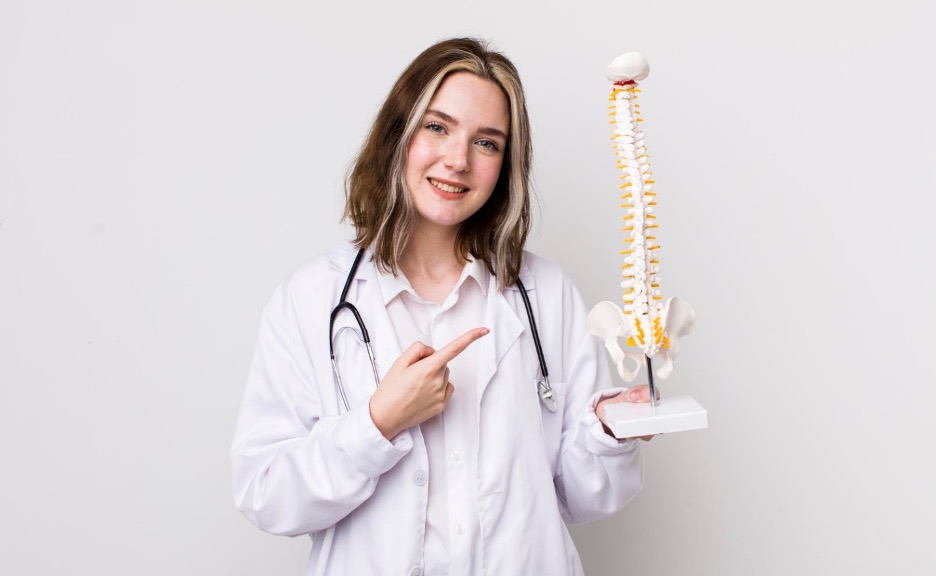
163	165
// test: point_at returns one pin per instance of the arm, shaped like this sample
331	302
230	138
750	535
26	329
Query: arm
296	470
597	474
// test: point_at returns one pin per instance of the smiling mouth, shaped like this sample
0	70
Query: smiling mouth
447	187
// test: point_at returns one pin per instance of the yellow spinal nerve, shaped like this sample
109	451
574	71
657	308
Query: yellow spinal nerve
639	272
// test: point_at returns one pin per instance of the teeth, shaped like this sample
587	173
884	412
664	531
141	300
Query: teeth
447	188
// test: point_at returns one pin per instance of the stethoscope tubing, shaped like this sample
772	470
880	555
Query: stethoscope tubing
533	330
543	387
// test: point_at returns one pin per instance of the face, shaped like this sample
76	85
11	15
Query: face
456	154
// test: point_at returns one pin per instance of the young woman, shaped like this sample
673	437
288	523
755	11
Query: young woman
443	449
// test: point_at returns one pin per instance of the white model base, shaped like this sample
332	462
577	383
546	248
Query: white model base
677	414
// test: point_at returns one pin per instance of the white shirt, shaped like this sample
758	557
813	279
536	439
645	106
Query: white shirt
452	524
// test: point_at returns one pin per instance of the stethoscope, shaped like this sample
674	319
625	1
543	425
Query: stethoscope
544	390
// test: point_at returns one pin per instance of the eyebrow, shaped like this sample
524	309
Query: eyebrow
485	130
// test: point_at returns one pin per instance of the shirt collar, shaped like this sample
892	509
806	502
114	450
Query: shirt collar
392	286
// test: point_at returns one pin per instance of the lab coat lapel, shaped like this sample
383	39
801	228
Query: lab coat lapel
369	302
505	328
364	293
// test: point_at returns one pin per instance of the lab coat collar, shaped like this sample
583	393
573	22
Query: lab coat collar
501	317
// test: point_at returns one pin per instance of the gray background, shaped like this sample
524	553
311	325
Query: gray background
163	165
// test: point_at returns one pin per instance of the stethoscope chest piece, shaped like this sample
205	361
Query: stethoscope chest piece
546	395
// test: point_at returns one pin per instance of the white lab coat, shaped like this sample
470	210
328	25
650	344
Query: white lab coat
302	465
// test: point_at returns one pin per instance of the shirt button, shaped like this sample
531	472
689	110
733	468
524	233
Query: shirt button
456	455
460	529
419	479
416	572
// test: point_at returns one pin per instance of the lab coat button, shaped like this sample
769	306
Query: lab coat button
456	456
416	572
419	479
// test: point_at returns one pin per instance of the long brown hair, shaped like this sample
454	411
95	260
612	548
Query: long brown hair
378	202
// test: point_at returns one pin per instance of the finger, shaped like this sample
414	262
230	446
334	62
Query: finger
449	390
416	352
616	399
458	345
640	394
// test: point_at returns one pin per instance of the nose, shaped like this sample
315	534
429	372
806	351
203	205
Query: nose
456	156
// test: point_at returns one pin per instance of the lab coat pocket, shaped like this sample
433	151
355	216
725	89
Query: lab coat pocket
552	425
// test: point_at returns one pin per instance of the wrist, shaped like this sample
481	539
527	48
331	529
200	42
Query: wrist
599	409
387	429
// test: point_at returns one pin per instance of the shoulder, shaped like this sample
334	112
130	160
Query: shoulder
537	271
322	270
550	283
318	280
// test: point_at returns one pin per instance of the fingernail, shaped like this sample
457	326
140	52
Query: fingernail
485	331
633	395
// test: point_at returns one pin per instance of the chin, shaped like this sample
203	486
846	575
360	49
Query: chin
441	220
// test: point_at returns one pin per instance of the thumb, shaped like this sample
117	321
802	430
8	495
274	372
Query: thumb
416	352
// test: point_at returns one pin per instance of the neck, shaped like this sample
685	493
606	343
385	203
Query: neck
430	263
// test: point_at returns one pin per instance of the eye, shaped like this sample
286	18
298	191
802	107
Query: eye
489	145
435	127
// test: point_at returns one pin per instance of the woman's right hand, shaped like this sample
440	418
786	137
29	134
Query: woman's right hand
416	387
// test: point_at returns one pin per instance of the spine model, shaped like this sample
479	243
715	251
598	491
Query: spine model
641	282
646	323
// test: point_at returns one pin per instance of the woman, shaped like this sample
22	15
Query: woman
455	463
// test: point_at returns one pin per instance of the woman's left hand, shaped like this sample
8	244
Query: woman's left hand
636	394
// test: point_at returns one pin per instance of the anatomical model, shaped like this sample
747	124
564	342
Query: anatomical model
650	328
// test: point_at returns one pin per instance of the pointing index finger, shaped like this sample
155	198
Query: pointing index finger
457	346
